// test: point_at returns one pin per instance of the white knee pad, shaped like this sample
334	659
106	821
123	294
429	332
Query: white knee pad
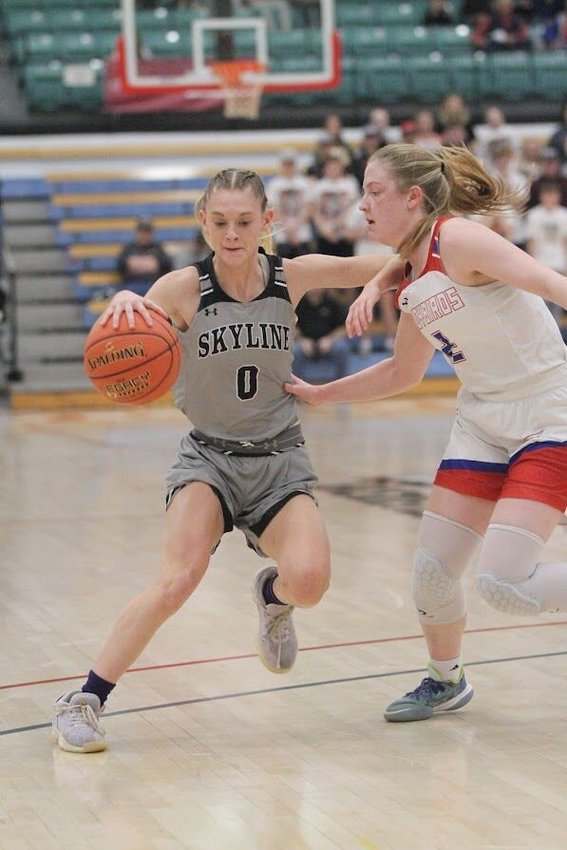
444	550
505	576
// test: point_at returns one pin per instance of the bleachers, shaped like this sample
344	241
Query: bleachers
94	218
60	48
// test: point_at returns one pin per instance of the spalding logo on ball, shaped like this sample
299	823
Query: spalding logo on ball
133	365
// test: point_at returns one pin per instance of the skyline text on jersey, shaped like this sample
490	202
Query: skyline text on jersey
244	335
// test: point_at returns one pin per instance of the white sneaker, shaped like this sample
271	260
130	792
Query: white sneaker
75	723
276	643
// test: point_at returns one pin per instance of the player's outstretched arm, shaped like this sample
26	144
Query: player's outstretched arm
404	370
317	271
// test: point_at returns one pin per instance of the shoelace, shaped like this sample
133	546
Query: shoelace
428	687
81	713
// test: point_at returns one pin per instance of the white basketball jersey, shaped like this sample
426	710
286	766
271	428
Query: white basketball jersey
496	337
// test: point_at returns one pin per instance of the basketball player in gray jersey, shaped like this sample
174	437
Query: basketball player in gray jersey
244	462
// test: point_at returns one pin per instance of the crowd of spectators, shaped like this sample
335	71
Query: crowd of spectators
316	202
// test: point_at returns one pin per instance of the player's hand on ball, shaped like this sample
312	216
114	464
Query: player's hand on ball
128	302
361	310
302	390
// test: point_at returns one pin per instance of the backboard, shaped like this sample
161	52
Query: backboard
289	45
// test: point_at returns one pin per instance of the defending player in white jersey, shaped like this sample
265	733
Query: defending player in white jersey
501	487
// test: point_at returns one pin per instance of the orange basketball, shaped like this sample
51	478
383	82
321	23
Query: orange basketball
132	365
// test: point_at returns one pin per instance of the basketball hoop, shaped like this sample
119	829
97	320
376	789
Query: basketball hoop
242	98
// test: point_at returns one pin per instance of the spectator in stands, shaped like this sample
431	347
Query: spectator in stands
317	166
454	136
472	8
529	157
408	131
334	127
330	202
553	32
546	231
142	261
195	250
385	311
438	13
510	225
501	29
559	138
372	140
549	171
453	112
494	128
380	118
425	134
321	333
288	194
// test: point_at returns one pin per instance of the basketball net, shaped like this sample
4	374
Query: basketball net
242	99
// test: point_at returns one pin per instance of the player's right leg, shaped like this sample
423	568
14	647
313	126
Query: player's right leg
450	534
194	525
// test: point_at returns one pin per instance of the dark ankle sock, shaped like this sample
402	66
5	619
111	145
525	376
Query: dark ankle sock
98	686
270	597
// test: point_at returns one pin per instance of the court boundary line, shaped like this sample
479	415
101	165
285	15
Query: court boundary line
244	656
283	688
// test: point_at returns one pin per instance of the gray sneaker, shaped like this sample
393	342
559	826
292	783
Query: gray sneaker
276	643
430	698
75	723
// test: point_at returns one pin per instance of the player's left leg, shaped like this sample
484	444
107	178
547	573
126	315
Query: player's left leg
510	575
297	540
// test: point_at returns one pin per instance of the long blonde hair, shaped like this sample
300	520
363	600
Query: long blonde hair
452	180
236	179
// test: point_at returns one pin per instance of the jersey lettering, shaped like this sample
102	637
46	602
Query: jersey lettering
263	335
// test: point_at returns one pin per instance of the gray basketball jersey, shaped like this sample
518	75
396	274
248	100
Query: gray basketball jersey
236	358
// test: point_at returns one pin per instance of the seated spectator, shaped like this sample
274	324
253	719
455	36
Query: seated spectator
425	134
554	33
558	139
454	112
372	140
316	167
529	157
546	229
193	251
502	29
471	8
334	127
380	118
494	128
511	224
549	171
288	194
142	261
438	13
455	136
321	334
385	311
331	199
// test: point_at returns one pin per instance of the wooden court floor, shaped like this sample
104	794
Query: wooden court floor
208	750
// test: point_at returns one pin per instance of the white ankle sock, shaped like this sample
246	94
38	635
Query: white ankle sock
446	671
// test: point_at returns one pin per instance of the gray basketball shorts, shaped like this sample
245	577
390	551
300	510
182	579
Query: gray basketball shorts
251	490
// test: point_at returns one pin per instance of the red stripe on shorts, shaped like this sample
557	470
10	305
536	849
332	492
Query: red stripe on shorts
472	482
539	474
